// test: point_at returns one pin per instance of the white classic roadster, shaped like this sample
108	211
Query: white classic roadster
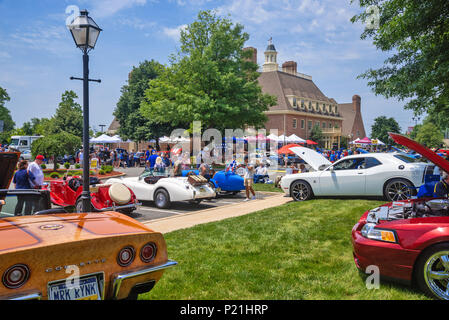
163	189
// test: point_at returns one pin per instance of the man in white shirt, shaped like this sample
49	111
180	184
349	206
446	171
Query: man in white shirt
36	170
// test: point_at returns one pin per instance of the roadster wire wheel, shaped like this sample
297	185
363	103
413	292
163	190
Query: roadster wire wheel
301	191
397	190
162	199
433	272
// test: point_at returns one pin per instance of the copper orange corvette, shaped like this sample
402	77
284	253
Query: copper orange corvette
76	256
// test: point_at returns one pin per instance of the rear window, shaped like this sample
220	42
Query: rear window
406	159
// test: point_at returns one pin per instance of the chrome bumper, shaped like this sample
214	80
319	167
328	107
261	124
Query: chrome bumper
125	276
31	296
127	206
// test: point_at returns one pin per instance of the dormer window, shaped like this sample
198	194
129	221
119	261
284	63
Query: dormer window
295	103
303	104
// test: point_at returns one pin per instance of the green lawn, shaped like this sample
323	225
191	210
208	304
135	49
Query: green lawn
295	251
266	187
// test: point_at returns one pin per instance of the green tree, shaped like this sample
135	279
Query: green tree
5	117
416	32
35	126
414	132
132	124
211	79
68	116
429	135
316	134
55	145
382	125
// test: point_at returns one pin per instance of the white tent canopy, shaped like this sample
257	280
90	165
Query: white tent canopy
295	138
282	138
378	142
104	138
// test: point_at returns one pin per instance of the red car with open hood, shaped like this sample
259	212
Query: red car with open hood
408	240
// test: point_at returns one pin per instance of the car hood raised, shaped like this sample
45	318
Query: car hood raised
425	152
8	163
313	158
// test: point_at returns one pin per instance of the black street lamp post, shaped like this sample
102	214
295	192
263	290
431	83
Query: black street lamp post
85	33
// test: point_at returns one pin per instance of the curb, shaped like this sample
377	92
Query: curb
191	219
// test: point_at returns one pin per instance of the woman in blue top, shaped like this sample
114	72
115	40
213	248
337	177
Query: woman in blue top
24	180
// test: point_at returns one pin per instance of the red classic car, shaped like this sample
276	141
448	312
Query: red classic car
408	240
66	192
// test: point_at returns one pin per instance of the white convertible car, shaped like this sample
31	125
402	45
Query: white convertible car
391	175
163	190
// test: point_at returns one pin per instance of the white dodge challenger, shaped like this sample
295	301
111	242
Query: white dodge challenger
393	176
163	190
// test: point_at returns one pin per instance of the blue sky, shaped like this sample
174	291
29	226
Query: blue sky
38	56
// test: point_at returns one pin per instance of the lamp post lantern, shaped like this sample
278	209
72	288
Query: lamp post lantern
85	33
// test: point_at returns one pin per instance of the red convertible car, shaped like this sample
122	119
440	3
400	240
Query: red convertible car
66	192
408	240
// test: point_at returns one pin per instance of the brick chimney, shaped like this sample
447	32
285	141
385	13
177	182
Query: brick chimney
357	103
254	56
290	67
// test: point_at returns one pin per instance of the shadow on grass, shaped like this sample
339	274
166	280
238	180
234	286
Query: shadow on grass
388	283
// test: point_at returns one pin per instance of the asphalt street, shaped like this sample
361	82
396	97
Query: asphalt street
148	210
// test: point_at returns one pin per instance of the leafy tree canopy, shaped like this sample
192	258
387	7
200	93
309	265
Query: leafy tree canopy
429	135
5	116
316	134
211	80
382	125
68	117
55	145
132	124
417	34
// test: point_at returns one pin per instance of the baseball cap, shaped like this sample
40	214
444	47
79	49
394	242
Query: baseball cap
40	157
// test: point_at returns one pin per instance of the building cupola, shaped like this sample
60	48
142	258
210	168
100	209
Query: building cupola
270	63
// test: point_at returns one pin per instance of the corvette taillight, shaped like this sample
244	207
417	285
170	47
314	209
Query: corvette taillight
148	252
126	256
16	276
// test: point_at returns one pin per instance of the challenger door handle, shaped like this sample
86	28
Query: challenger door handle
359	172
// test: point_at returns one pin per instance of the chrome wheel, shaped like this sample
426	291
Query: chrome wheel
301	191
161	199
79	206
436	274
398	190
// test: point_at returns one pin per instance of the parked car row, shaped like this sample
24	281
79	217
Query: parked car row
407	238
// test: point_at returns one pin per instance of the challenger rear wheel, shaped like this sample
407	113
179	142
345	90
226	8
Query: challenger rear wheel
432	273
301	191
398	189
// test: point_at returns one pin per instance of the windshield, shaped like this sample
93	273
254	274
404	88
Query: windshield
14	142
152	173
406	159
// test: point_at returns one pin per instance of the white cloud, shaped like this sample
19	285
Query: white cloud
174	33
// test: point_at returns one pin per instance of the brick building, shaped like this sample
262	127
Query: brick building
302	105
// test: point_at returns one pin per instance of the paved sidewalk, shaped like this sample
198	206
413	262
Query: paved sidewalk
188	220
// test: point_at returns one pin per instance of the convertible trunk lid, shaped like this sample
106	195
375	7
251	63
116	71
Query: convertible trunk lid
313	158
8	162
37	231
425	152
